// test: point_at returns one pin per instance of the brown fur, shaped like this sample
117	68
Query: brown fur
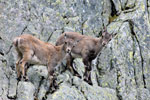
87	48
34	51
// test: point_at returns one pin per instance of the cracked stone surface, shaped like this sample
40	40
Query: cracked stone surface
121	72
25	91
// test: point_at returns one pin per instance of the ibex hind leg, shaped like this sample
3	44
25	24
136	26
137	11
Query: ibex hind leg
26	57
27	65
18	71
18	66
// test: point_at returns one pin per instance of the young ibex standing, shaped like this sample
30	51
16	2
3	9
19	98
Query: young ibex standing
34	51
87	48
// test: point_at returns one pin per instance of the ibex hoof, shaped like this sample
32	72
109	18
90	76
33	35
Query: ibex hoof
44	98
78	75
25	78
18	79
88	81
84	78
55	85
53	90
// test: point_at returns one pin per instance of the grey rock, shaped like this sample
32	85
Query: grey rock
36	74
108	80
79	66
117	5
123	3
67	93
55	35
149	12
4	81
64	78
11	60
131	4
94	73
143	94
43	88
106	12
25	91
148	3
94	92
12	85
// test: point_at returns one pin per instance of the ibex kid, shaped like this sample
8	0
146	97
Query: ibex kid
87	48
34	51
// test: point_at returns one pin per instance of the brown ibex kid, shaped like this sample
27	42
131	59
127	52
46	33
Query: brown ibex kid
87	48
34	51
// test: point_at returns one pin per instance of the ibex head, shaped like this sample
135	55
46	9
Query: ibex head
69	44
106	37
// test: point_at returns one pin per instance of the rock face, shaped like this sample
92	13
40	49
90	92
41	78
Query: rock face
25	91
121	72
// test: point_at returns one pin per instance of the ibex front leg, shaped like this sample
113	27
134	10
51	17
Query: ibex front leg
51	76
87	74
70	64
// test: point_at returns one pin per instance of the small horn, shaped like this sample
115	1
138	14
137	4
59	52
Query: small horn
105	29
114	34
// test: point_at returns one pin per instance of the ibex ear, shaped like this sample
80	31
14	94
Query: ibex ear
76	42
65	42
104	30
111	36
103	34
65	36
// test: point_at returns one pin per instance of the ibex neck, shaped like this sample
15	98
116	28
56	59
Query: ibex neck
99	44
62	52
